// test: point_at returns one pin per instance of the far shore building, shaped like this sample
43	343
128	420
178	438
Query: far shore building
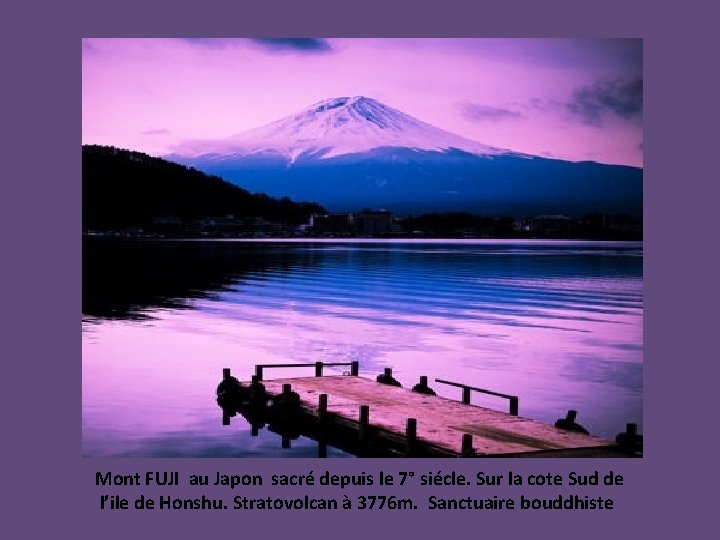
366	223
331	224
374	222
555	225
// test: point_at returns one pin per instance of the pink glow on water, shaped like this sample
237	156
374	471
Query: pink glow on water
557	323
167	370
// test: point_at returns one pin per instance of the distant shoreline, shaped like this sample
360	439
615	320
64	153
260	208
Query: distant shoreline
353	239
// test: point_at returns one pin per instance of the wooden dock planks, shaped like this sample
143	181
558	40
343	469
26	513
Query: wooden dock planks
441	422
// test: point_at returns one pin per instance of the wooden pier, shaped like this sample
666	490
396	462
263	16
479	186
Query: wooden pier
368	418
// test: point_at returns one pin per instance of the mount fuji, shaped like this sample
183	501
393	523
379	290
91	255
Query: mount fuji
350	153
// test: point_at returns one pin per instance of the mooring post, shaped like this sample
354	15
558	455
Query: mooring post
226	373
318	369
255	430
569	424
514	405
287	389
387	378
259	373
257	392
286	441
322	407
226	419
422	387
354	368
630	440
467	448
466	395
322	448
364	422
411	434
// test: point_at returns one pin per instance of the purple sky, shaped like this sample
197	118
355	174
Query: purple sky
574	99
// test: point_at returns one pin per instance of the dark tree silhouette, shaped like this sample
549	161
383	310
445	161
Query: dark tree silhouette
122	189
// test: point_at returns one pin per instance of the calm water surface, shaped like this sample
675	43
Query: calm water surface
557	323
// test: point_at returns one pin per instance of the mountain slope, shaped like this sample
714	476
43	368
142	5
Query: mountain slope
122	188
350	153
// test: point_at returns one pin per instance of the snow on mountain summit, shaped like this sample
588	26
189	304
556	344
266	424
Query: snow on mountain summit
337	126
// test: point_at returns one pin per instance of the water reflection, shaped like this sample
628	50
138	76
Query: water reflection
557	323
128	279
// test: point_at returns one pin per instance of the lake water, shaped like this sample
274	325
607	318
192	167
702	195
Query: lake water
558	323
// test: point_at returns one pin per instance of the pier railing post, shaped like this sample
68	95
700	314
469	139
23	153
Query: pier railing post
322	419
364	422
259	373
466	395
318	369
354	368
411	435
322	407
514	406
467	448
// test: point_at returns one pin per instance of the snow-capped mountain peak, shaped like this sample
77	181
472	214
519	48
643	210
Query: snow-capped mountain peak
350	153
337	126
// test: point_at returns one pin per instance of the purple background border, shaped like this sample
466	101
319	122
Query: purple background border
48	488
